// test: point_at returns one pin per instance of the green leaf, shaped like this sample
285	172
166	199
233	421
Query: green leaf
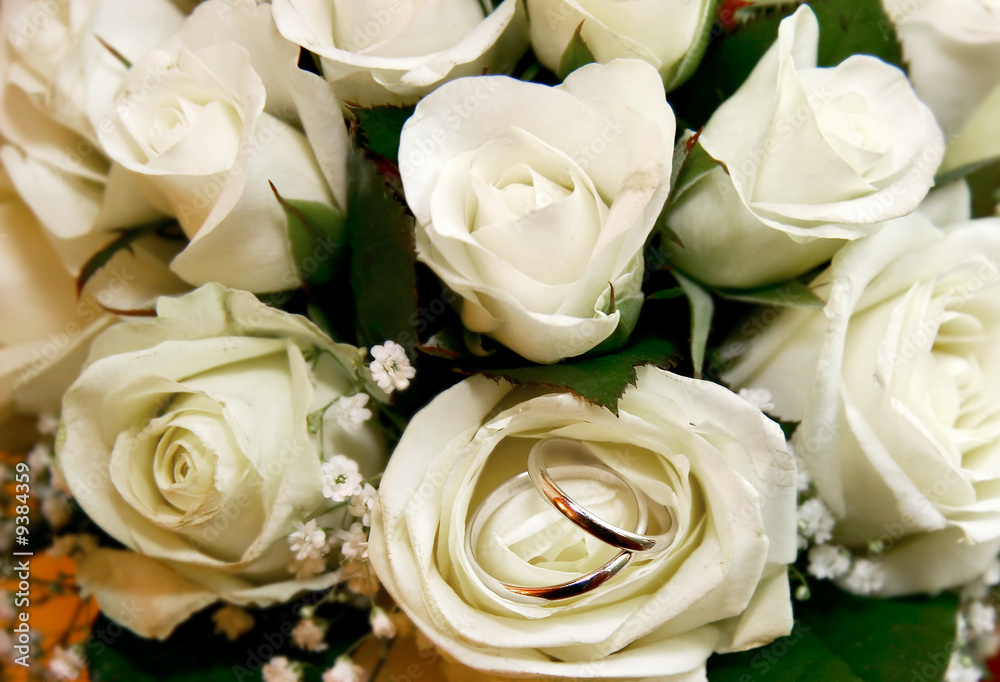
692	163
841	638
383	258
577	54
847	27
600	380
316	232
793	293
664	294
702	309
380	128
123	241
984	183
850	27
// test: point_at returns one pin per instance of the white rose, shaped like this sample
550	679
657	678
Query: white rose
672	36
534	203
807	158
187	438
207	121
46	330
893	382
952	50
695	449
55	74
396	51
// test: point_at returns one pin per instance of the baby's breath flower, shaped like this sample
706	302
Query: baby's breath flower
363	503
308	541
341	478
865	578
828	562
391	369
816	521
309	635
279	669
351	411
354	542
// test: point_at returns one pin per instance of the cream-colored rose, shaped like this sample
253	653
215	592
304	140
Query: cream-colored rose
806	159
534	203
196	440
672	36
894	383
55	75
701	454
46	330
378	52
208	121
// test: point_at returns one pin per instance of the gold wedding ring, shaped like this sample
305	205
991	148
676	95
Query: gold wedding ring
543	477
602	530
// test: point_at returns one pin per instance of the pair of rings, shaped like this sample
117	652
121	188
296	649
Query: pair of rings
583	464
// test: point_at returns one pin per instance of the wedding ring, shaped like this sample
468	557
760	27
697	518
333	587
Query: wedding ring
581	585
633	541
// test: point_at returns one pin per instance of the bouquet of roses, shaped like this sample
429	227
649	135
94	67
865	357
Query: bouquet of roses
454	339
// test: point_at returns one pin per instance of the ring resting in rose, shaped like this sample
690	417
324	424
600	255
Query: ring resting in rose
583	472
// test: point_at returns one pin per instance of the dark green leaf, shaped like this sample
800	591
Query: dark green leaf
123	241
316	232
383	257
702	309
846	27
577	54
664	294
849	27
842	638
792	293
600	380
380	128
984	183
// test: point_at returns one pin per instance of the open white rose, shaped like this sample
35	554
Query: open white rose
208	120
672	36
196	439
808	158
55	75
534	203
719	467
395	51
894	383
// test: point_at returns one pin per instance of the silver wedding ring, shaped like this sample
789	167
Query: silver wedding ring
543	476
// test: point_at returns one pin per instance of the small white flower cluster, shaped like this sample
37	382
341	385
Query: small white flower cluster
977	638
828	561
313	541
309	634
391	369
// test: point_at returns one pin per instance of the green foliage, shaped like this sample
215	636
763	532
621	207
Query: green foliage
599	380
842	638
380	128
577	54
123	241
793	293
316	233
383	258
702	308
